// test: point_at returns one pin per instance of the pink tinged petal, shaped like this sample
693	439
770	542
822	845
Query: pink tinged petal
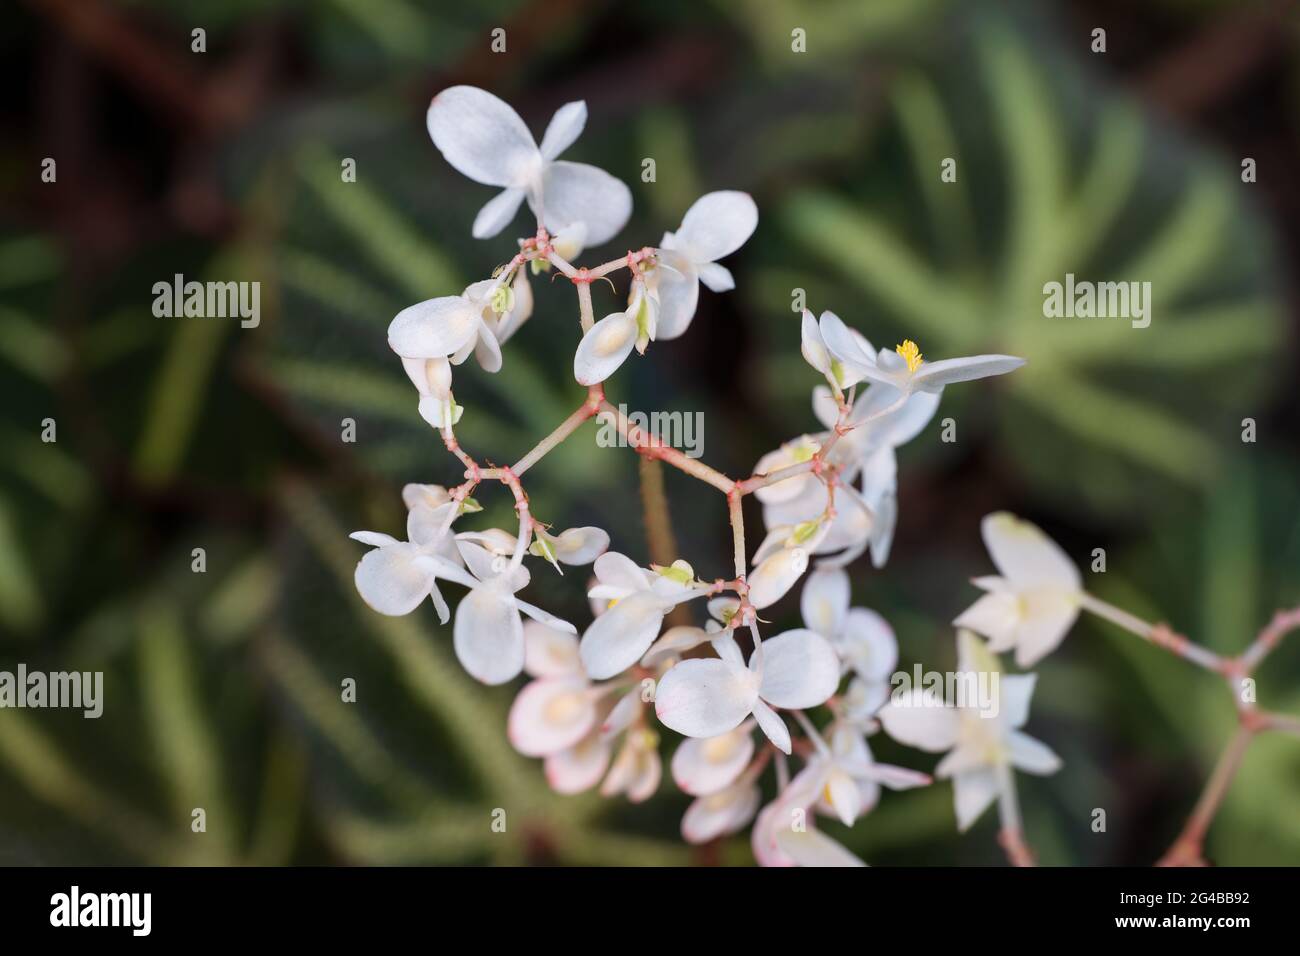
705	697
776	575
716	278
550	715
433	328
972	793
604	347
488	635
1025	555
800	670
580	767
679	295
932	376
565	127
718	223
920	719
617	639
394	580
1031	755
674	642
576	192
811	847
580	546
550	652
648	772
770	722
705	765
720	814
482	137
1047	618
622	715
868	645
497	213
898	778
763	837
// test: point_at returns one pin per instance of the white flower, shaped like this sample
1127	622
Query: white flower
489	634
449	327
722	812
637	769
903	368
815	353
705	697
849	776
715	226
983	745
1035	601
863	639
483	138
638	600
705	765
557	710
575	546
608	343
397	575
782	558
785	833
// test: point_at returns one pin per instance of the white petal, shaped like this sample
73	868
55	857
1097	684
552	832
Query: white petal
1047	617
704	765
622	714
580	545
673	643
394	580
580	767
488	635
487	350
845	346
843	797
776	575
482	137
994	615
617	639
800	670
770	722
620	572
825	601
717	224
604	348
550	652
719	814
497	213
375	538
434	328
1024	554
565	127
1014	692
1032	756
715	277
540	616
678	288
705	697
920	719
935	375
550	715
811	847
972	792
901	426
576	192
815	354
868	645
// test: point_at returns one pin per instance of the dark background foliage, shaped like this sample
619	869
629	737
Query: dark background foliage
222	687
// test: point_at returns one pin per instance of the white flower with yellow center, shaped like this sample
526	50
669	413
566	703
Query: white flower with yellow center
1034	601
983	740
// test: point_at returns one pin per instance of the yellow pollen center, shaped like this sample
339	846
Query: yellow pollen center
910	353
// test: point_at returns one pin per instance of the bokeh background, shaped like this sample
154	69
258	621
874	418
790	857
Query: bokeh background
222	688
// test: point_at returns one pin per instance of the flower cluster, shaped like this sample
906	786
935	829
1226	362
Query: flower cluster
745	702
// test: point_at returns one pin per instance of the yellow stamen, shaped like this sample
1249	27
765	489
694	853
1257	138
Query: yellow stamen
910	353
